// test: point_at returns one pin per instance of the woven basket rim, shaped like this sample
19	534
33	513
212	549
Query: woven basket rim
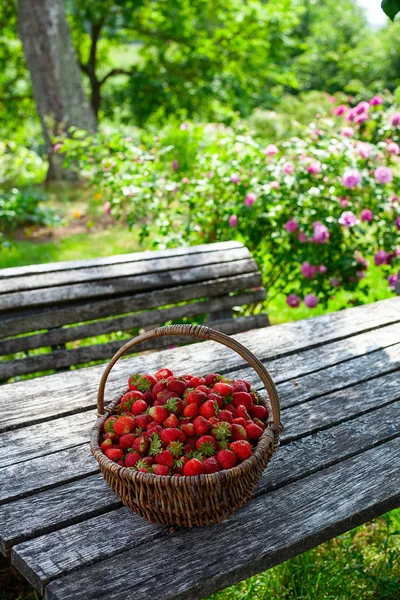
270	437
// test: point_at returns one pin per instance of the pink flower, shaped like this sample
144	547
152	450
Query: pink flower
323	269
311	301
250	199
360	274
308	270
376	100
361	108
344	201
271	150
393	148
184	126
334	281
382	258
107	207
233	220
301	237
274	184
174	165
347	219
360	259
383	175
361	118
364	149
351	113
235	178
293	301
339	110
57	147
288	168
291	225
397	223
321	234
314	168
396	120
351	178
347	131
185	180
392	280
366	215
394	199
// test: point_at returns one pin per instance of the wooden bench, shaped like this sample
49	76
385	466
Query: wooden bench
338	378
68	301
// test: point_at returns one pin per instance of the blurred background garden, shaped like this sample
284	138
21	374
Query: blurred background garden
150	124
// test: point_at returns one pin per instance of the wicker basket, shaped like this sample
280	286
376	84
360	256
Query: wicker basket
202	499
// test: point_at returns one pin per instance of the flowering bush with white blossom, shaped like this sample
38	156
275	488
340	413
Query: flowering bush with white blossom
314	211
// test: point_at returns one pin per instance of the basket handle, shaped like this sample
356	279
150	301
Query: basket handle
204	333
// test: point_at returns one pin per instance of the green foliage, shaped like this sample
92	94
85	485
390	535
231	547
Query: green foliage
21	207
391	8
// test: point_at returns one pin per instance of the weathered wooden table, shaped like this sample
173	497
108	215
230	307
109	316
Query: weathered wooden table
338	466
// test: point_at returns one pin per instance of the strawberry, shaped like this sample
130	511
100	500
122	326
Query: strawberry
230	408
196	397
129	398
114	454
158	413
211	465
224	389
165	395
141	444
208	409
195	381
160	470
238	432
259	411
242	398
105	445
254	432
126	441
148	460
225	415
142	421
221	431
142	467
108	425
176	449
159	387
191	410
154	427
171	434
171	421
177	385
188	429
139	407
227	459
132	458
216	398
163	374
165	458
259	423
155	445
111	436
193	467
201	425
214	420
239	386
140	382
240	421
121	463
241	448
124	425
174	405
203	388
206	445
241	411
211	379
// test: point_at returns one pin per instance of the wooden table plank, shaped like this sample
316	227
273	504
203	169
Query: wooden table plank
266	532
53	555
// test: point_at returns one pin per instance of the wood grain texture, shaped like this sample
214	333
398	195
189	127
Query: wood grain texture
269	530
51	556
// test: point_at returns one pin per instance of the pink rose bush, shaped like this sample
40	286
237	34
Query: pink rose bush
311	209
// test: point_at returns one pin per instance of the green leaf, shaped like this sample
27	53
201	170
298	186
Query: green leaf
390	8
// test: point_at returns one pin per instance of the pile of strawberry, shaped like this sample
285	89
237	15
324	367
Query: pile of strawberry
169	425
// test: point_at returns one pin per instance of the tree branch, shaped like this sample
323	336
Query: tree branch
113	73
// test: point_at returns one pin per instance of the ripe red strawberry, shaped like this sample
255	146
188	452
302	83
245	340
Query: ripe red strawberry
124	425
165	458
211	378
129	398
211	465
259	411
230	408
165	395
240	421
242	398
171	434
191	410
159	387
195	381
196	397
114	454
188	429
171	421
225	415
206	445
126	441
177	385
176	449
142	467
241	448
239	386
139	407
163	374
154	427
161	469
193	467
158	413
227	459
203	388
141	444
222	388
241	411
208	409
238	432
148	460
259	423
132	458
254	432
142	421
108	425
201	425
106	444
214	420
140	382
216	398
121	462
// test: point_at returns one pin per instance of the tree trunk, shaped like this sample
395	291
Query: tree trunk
56	79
